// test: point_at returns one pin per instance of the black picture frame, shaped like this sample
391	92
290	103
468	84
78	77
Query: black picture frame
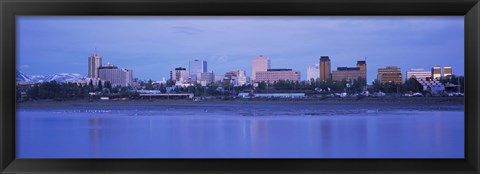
470	9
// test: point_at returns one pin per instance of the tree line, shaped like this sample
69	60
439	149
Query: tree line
64	91
69	90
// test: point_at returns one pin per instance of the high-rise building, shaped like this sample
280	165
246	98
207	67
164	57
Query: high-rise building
419	73
272	75
196	67
179	74
436	72
390	74
313	72
94	62
325	69
116	76
260	63
351	73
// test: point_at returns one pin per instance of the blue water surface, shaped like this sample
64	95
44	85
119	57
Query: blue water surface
231	131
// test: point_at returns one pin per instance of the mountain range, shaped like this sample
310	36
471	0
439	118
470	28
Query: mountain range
59	77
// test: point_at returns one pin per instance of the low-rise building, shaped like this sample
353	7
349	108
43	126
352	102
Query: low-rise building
418	73
390	74
273	75
179	74
441	72
351	73
447	71
207	77
236	77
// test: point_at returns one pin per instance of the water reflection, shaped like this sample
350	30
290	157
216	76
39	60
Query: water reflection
326	135
95	135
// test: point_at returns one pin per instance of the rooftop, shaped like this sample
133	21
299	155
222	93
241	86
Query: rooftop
108	66
362	62
180	68
279	69
348	68
324	58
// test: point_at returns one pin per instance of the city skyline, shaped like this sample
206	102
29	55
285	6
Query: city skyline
233	42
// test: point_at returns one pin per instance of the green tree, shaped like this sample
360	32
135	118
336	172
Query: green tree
262	85
108	85
413	85
53	89
116	89
376	86
100	85
170	83
456	80
358	85
18	92
149	85
33	92
163	88
90	85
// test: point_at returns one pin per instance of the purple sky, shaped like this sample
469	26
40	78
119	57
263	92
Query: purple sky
152	46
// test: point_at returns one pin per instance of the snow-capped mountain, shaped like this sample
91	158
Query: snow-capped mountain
38	78
60	77
20	77
65	77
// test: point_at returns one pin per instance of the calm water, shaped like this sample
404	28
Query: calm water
239	131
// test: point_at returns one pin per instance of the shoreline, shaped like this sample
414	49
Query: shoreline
399	102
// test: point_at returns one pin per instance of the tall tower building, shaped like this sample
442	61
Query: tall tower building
196	67
94	62
325	69
362	64
260	63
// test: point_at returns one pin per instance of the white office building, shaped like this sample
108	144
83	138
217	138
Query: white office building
116	77
313	71
236	77
419	73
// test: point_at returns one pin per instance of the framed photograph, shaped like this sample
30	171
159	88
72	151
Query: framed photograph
255	86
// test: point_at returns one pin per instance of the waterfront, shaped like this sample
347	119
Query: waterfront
183	129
